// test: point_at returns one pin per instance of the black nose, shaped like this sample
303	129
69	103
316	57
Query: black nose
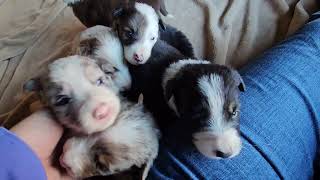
222	154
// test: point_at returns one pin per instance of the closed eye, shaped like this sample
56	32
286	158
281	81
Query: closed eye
62	100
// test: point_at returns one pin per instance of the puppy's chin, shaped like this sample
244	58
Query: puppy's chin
218	146
132	61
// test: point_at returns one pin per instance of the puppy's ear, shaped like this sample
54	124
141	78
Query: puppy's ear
123	7
237	77
106	66
168	90
87	46
33	85
169	96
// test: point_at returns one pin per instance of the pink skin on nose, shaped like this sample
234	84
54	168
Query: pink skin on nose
101	112
137	58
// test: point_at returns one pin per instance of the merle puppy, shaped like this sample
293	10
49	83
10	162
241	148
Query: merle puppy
115	134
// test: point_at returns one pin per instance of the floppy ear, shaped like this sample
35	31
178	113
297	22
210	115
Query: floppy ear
123	7
87	46
168	90
169	96
32	85
237	77
106	66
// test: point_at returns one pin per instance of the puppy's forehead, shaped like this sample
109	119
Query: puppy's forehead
70	68
136	21
150	21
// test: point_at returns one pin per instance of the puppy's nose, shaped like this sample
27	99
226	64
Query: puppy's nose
102	111
221	154
137	58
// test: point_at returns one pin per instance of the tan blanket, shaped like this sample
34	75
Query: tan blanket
34	32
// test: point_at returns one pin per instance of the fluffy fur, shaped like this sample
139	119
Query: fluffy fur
102	44
80	95
131	141
147	79
145	32
135	23
207	96
75	89
173	84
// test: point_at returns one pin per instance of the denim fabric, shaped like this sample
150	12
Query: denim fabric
280	120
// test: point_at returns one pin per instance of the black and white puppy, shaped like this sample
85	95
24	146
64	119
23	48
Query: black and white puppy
137	24
207	96
168	81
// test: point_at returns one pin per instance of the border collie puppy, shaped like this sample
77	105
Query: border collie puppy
102	44
167	64
207	96
118	134
137	24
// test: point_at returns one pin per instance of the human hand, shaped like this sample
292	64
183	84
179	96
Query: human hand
42	134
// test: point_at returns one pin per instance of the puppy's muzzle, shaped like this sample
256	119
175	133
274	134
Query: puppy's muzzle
218	145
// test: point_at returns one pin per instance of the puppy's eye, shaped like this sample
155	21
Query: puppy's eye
62	100
129	34
234	113
100	81
153	38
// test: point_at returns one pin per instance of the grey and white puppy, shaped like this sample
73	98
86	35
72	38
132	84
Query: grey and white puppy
83	98
102	44
207	96
79	94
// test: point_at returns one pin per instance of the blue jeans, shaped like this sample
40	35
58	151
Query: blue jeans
280	120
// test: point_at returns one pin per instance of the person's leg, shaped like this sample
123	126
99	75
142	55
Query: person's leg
280	119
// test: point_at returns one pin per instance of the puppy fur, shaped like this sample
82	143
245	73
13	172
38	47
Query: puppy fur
207	96
135	23
103	45
79	94
147	78
131	141
166	64
126	136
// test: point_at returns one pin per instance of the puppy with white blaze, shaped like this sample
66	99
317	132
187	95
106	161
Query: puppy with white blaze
137	24
207	96
119	134
102	44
